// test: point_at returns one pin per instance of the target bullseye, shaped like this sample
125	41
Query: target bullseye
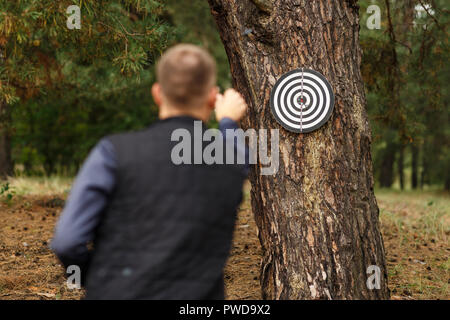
302	100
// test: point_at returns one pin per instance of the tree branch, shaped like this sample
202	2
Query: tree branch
429	14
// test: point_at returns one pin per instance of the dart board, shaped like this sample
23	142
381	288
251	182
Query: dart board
302	100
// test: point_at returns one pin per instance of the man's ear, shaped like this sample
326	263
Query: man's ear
212	95
157	94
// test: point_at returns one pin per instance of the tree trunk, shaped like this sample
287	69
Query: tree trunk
414	166
386	171
6	165
424	173
317	217
400	166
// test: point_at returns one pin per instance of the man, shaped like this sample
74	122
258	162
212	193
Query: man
159	230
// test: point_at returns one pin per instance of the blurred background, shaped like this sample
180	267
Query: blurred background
61	90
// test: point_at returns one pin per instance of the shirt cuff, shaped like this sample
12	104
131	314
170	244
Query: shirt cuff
228	123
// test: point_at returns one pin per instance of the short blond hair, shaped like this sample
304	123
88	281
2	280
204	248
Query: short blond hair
186	73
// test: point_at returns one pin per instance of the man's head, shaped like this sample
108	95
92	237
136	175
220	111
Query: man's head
186	77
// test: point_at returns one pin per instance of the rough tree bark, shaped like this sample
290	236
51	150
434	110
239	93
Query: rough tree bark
317	217
6	166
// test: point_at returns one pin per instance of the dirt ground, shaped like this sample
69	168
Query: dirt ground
417	249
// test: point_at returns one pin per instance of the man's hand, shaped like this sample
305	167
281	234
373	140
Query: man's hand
230	105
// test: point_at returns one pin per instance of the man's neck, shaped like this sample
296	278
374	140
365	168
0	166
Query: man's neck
200	113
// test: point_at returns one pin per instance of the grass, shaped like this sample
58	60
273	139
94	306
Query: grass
39	185
416	229
426	212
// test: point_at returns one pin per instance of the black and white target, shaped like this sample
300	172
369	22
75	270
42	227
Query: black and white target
302	100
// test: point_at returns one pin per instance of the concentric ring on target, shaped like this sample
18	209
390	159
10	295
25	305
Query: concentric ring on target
302	100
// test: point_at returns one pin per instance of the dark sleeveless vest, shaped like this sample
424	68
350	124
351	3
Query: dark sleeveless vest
167	231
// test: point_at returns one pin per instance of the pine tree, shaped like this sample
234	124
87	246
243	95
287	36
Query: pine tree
40	54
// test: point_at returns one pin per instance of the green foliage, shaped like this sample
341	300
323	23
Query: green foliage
6	193
68	88
37	43
405	69
197	26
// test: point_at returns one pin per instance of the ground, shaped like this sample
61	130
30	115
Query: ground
415	228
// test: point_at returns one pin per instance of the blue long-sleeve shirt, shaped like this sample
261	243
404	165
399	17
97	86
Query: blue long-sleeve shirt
89	197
